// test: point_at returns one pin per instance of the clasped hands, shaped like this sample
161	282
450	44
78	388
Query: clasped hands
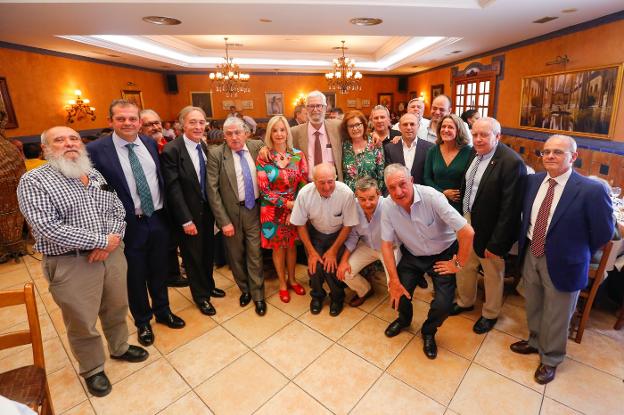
100	254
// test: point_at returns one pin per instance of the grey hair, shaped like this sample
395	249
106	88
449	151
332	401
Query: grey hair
364	183
235	121
315	94
187	110
149	112
418	99
570	140
494	124
395	168
381	108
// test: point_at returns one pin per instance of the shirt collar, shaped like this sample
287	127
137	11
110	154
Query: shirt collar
413	143
562	179
189	142
312	130
489	154
120	142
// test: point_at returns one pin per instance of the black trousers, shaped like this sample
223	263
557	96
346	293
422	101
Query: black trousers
411	269
198	255
147	268
322	242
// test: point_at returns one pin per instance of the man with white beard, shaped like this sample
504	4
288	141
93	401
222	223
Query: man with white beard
78	224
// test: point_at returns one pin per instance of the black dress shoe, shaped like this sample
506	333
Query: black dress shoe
261	307
98	384
316	305
245	299
335	308
523	347
483	325
544	374
457	309
206	308
178	281
217	293
171	320
429	346
145	335
134	354
394	328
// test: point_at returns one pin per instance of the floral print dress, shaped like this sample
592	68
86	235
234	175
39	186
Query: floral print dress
369	162
277	186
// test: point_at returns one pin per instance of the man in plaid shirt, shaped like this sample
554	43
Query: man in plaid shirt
78	224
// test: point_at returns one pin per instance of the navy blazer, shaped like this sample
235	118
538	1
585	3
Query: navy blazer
581	224
104	157
393	153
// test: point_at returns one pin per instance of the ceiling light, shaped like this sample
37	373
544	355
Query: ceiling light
343	77
545	19
266	20
571	10
162	20
365	21
228	78
456	51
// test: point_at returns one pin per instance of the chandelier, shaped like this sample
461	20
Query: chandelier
78	108
228	78
344	78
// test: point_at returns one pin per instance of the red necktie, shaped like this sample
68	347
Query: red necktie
318	151
538	243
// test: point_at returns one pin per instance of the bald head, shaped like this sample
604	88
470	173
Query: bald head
440	107
408	125
324	175
57	131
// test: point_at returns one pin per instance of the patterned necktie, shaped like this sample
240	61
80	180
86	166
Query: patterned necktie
202	171
145	196
538	241
318	151
469	183
250	198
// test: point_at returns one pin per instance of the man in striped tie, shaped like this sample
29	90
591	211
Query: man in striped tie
566	217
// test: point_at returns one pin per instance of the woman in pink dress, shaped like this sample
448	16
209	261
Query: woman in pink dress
279	180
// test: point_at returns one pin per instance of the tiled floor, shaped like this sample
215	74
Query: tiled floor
292	362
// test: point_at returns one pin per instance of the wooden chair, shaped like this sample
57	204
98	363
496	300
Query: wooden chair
28	384
587	295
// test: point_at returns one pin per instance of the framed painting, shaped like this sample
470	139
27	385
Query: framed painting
247	104
227	103
136	97
7	104
366	103
203	100
331	100
385	99
436	90
579	102
274	103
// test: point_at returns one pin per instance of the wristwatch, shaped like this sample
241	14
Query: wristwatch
457	264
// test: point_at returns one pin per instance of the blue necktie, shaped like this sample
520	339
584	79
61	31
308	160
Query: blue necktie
202	171
250	198
145	196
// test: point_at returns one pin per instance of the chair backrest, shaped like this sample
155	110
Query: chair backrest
22	337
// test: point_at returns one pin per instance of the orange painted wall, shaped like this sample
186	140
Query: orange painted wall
601	45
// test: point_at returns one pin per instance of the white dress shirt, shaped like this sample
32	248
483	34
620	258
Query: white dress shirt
485	161
239	174
541	194
409	153
149	169
191	147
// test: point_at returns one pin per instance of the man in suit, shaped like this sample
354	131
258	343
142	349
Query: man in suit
410	151
565	218
492	198
300	116
233	196
184	168
319	139
130	165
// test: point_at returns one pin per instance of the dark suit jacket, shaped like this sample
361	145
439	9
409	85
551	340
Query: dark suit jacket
104	157
581	224
495	214
394	154
184	196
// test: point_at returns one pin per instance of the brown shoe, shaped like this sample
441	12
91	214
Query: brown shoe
523	347
545	373
358	301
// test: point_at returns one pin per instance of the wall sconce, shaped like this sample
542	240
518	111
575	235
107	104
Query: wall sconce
300	100
78	108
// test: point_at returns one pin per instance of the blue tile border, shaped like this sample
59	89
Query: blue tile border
594	144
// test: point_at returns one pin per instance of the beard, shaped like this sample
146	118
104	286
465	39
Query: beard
74	169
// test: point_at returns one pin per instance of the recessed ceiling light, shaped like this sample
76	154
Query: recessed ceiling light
265	20
161	20
365	21
545	19
291	40
456	51
571	10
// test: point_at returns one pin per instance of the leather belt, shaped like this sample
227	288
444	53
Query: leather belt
142	216
74	252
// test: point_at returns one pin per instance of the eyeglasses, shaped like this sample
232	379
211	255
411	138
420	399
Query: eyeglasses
355	126
232	133
149	124
556	153
313	107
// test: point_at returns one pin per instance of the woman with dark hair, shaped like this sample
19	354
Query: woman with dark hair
470	116
360	156
447	161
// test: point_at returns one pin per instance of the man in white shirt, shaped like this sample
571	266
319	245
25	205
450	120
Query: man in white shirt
324	213
410	151
416	106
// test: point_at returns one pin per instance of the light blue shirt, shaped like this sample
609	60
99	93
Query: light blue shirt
428	229
368	232
479	174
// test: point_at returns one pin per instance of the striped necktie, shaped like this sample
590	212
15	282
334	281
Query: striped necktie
469	183
538	239
145	196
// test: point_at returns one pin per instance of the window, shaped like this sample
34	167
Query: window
475	88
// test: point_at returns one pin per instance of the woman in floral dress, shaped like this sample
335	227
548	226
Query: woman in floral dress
279	180
360	156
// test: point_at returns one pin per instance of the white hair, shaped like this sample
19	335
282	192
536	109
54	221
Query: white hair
570	140
395	168
315	94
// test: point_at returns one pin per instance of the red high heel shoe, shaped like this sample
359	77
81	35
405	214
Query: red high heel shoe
298	289
284	296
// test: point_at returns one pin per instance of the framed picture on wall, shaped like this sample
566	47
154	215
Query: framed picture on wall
331	100
7	104
385	99
274	103
366	103
436	90
203	100
227	103
247	104
136	97
581	102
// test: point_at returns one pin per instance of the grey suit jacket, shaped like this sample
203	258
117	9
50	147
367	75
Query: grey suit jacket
221	182
332	127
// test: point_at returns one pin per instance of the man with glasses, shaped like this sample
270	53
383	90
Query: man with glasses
184	168
410	151
129	163
233	196
319	139
566	217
